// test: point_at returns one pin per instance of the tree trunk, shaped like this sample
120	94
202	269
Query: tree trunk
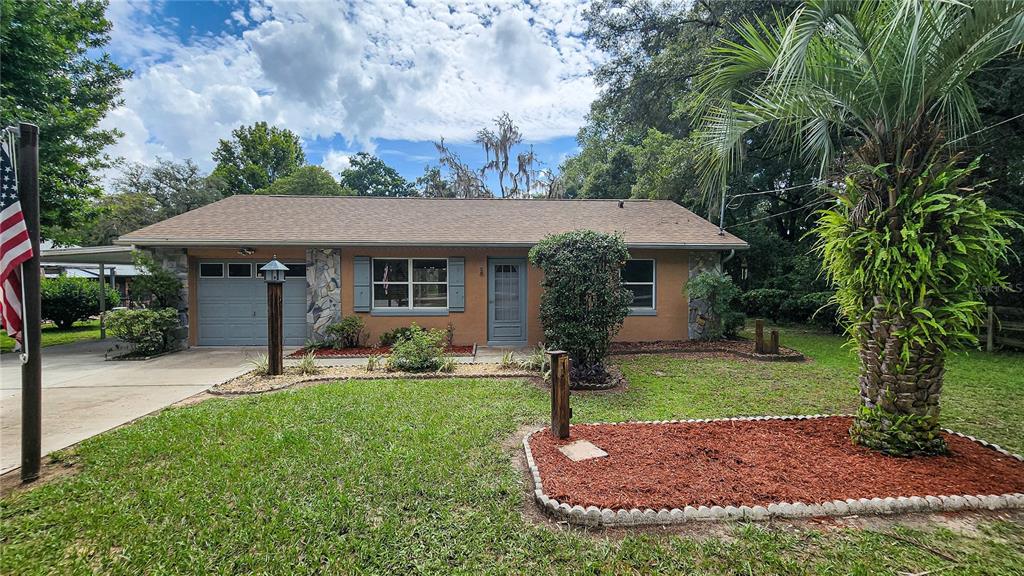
899	396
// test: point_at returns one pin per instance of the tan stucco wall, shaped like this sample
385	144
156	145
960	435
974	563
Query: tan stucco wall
670	323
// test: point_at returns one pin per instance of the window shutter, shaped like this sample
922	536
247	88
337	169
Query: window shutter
361	292
457	284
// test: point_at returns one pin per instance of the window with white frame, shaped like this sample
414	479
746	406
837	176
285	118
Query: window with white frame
410	283
638	278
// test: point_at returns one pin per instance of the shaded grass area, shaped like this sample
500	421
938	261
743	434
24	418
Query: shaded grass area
412	477
51	335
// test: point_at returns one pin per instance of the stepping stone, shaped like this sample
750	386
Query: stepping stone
581	450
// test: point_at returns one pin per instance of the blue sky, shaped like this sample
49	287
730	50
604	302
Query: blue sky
383	77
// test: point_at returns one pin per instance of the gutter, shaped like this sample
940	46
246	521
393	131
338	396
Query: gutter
314	244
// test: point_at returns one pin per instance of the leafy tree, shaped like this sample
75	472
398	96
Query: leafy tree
368	175
307	181
56	75
877	94
256	156
66	299
144	194
433	185
584	302
159	287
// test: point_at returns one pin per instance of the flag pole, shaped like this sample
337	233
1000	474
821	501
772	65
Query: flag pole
32	367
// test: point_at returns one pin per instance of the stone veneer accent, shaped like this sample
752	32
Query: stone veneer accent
700	312
175	260
594	516
323	290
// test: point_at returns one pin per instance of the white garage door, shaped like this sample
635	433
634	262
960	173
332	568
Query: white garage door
233	304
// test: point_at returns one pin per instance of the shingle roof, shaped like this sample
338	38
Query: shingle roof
373	221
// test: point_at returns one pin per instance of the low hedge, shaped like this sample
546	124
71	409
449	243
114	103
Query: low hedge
780	305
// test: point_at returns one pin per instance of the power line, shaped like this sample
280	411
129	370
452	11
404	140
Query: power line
818	202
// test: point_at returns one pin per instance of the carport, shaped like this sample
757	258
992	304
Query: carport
100	256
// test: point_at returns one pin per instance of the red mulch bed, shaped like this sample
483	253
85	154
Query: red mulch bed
367	351
756	463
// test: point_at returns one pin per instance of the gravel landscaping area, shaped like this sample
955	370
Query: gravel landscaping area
756	463
250	383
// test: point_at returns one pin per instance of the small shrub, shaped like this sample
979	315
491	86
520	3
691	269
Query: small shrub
307	366
720	292
448	364
260	364
314	344
158	286
375	362
66	300
422	351
348	333
537	360
391	337
584	302
508	360
148	331
763	302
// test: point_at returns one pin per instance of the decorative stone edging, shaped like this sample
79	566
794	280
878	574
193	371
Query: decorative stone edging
792	356
594	516
380	376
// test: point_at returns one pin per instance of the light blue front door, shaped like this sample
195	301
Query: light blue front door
506	301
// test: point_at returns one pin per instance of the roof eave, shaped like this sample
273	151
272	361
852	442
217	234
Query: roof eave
340	244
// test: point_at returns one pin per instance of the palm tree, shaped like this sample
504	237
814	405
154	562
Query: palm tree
875	94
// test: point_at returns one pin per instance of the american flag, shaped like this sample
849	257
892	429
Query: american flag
15	245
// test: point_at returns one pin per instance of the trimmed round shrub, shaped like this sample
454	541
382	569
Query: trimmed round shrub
763	302
421	351
66	299
148	331
583	303
348	333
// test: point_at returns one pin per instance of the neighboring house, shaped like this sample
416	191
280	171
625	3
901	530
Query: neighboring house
435	262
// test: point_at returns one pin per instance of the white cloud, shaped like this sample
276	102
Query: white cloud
363	70
336	161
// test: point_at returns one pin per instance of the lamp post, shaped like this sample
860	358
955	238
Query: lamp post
273	274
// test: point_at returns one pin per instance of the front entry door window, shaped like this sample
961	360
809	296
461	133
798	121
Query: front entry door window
507	301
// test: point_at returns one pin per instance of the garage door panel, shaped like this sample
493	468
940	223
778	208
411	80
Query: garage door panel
233	311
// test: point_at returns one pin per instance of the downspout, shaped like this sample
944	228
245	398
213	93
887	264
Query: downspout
728	257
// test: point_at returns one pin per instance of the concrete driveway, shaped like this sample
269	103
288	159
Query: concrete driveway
84	395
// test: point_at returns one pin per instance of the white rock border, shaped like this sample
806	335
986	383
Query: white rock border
594	516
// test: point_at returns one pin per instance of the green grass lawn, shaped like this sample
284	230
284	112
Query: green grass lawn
51	336
415	477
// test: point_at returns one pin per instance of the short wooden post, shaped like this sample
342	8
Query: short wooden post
759	336
774	346
989	338
560	411
275	342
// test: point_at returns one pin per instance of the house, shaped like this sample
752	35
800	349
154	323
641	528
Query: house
435	262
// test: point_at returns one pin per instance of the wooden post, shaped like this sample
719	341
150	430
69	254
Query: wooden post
275	328
989	338
774	346
759	336
560	411
103	301
32	368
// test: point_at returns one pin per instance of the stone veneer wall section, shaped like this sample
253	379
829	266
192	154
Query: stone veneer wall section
175	260
700	312
323	290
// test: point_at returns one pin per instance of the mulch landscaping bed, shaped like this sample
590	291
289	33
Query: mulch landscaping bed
371	351
705	349
756	463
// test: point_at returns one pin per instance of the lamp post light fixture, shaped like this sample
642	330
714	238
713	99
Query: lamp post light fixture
273	274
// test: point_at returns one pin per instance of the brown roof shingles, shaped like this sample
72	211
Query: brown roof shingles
360	220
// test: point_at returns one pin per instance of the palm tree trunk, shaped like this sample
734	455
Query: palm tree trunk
899	395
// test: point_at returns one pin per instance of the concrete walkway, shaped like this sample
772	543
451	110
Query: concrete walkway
84	395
